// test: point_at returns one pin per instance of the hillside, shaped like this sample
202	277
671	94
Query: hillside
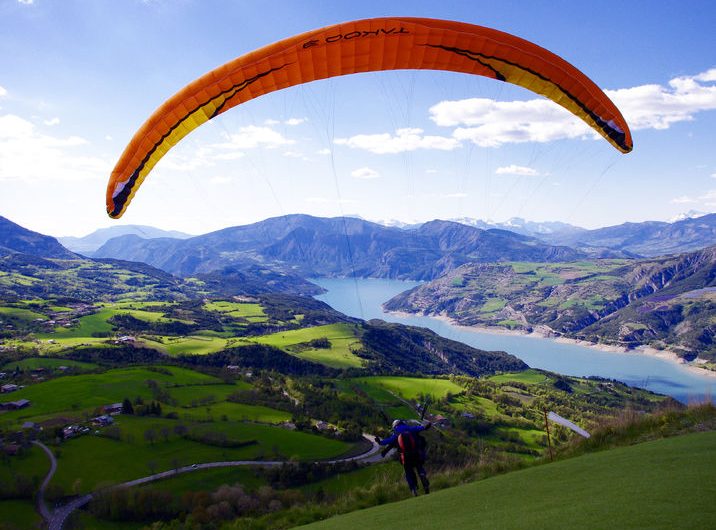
16	239
314	246
661	484
665	302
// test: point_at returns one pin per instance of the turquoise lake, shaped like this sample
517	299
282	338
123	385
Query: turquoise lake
363	298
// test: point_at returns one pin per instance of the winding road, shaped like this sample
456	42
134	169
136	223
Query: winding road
55	520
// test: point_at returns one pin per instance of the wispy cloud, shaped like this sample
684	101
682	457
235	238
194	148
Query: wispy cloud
365	173
402	141
253	136
295	121
52	121
28	154
684	199
706	199
522	171
329	200
3	91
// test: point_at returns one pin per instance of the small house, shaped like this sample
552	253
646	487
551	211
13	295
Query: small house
322	425
441	421
113	409
15	405
103	420
71	431
8	388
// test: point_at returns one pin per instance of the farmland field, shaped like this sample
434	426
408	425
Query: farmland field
412	387
296	342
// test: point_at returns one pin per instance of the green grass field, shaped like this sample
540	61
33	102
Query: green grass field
412	387
77	393
48	363
530	377
231	411
186	345
663	484
87	462
21	314
190	396
339	355
249	311
210	479
18	514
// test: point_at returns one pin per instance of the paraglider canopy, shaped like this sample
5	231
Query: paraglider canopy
362	46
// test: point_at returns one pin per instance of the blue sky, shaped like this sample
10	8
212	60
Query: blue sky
77	78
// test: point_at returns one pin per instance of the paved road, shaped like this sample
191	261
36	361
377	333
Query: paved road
57	519
41	506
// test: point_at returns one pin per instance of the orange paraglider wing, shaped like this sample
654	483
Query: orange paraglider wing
362	46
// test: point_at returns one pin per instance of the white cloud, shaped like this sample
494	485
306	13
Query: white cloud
707	199
403	140
365	173
709	196
521	171
328	200
490	123
220	180
270	122
454	195
253	136
29	155
294	154
324	151
26	2
713	175
52	121
658	107
295	121
3	91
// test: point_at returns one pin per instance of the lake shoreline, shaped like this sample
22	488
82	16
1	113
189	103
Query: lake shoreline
666	355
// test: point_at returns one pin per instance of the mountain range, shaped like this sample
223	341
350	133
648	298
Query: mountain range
313	246
649	239
86	245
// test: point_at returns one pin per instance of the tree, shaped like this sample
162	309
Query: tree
150	435
127	407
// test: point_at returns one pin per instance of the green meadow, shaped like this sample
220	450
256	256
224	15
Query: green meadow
75	394
185	345
86	462
296	342
48	363
251	312
412	387
529	377
662	484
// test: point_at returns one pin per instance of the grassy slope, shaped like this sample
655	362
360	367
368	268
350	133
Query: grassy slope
339	355
662	484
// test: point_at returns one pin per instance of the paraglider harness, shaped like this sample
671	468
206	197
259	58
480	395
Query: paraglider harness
411	445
